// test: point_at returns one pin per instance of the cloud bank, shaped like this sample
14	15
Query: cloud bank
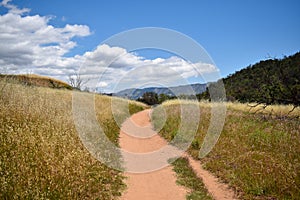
29	44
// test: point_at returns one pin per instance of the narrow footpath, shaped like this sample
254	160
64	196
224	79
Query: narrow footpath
137	136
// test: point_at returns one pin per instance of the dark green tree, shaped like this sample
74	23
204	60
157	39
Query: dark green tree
272	81
150	98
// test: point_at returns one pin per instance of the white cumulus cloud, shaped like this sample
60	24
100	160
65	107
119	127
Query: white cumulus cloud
14	9
120	69
29	44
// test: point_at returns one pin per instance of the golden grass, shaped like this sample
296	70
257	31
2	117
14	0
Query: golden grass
41	155
35	80
256	155
275	110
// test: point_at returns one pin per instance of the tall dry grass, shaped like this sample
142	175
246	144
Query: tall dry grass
41	155
258	155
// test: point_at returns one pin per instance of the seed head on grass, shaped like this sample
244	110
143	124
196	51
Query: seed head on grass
41	155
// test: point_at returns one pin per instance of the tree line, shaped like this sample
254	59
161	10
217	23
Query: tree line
272	81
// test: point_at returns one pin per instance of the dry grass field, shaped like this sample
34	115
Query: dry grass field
258	153
41	155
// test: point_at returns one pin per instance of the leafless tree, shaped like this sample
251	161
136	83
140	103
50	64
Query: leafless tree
76	81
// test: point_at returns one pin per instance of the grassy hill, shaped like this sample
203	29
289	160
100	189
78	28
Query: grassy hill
41	155
36	80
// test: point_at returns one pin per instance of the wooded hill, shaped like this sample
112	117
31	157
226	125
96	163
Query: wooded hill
273	81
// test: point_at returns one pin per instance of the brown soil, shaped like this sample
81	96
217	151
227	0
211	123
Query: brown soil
218	190
137	136
160	184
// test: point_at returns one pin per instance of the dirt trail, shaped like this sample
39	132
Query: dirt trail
154	185
217	189
137	136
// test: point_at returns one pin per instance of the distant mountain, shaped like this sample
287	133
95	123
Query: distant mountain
135	93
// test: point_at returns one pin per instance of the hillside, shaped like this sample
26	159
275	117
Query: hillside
41	154
135	93
273	81
36	80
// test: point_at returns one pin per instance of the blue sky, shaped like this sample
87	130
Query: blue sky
235	33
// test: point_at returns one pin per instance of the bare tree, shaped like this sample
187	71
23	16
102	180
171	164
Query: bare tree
76	81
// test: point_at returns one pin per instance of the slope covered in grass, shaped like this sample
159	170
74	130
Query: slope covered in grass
41	155
258	155
35	80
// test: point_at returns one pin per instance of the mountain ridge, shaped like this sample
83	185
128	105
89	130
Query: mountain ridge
190	89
